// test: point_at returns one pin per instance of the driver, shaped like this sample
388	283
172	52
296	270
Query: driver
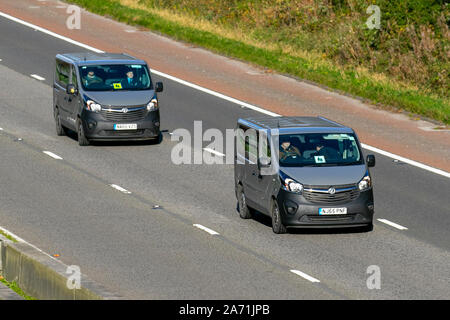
288	150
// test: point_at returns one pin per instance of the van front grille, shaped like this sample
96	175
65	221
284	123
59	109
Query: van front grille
117	114
320	195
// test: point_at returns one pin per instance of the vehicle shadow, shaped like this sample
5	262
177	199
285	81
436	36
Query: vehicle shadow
267	221
73	135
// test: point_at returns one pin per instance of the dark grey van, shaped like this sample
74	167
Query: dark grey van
105	96
302	172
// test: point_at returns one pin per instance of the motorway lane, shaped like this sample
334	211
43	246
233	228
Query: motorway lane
205	194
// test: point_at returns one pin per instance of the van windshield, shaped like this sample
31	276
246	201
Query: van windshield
115	77
319	149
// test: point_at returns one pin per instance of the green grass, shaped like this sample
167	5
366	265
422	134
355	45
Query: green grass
13	286
7	236
346	80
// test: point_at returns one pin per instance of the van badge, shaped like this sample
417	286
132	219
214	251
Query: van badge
332	190
125	110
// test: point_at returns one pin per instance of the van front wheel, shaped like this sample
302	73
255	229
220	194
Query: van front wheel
277	225
244	211
82	140
60	131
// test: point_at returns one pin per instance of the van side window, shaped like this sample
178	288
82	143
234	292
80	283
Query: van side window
74	77
62	73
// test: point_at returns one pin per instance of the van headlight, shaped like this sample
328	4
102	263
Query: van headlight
152	105
92	106
290	184
365	183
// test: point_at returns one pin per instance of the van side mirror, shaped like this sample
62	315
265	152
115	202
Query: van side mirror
370	160
159	87
264	162
70	89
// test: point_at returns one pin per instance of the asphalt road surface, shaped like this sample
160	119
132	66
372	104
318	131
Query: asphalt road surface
140	251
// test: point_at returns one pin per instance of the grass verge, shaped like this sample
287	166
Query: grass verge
7	236
383	92
14	287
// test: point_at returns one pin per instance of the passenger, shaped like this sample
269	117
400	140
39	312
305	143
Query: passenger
288	150
91	78
327	152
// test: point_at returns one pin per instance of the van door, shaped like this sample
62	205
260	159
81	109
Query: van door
62	75
256	185
73	100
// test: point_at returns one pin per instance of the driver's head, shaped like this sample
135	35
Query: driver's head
285	144
91	74
130	74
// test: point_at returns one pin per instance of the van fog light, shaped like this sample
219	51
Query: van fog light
291	207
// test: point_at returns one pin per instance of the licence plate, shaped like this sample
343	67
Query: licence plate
125	126
329	211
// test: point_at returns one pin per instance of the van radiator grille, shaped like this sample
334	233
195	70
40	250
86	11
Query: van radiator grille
326	198
117	115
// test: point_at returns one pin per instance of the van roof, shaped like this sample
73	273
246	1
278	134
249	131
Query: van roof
88	58
295	124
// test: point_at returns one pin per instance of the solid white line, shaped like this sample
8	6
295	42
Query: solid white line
217	153
115	186
1	129
405	160
393	224
214	93
305	276
210	231
50	33
219	95
51	154
37	77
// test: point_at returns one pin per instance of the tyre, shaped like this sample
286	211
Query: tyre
277	225
82	140
60	130
244	210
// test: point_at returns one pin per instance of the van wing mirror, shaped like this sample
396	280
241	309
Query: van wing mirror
159	87
370	160
70	89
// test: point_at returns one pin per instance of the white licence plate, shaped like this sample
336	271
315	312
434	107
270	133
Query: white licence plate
125	126
325	211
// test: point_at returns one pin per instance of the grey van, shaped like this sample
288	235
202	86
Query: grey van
302	172
105	96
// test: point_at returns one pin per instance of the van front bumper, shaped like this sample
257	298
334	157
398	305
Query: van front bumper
297	212
96	128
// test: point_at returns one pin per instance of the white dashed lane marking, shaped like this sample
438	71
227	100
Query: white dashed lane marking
217	153
51	154
393	224
210	231
305	276
115	186
37	77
